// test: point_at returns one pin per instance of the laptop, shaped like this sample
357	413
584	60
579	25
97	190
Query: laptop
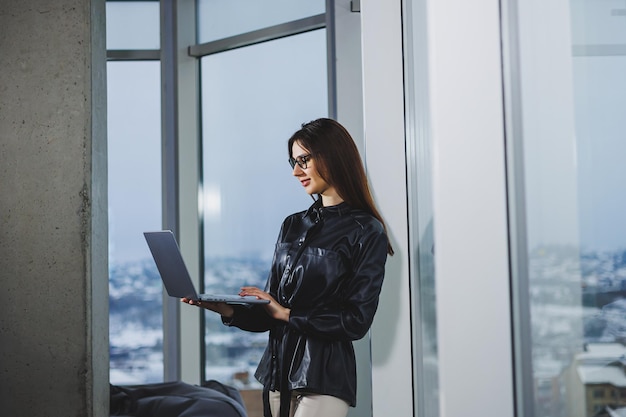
175	276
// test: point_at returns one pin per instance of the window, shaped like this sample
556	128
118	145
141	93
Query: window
134	164
134	182
253	99
132	25
570	121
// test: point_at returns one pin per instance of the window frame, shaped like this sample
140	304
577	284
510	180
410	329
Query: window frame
128	55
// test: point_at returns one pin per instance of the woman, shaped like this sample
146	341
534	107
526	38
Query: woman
324	283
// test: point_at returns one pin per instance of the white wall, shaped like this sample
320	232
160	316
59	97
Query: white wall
469	194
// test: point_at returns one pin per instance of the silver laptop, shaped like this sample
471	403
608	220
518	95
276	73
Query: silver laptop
174	273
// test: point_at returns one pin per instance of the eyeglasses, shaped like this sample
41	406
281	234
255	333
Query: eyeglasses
301	160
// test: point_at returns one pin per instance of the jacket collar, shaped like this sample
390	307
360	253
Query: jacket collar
318	211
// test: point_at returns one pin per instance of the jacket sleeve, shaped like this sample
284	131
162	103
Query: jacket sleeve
252	319
351	318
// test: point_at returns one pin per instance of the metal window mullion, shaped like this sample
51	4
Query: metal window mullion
419	194
180	120
133	54
169	125
599	50
516	207
331	58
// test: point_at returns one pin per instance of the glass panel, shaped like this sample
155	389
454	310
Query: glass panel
133	25
134	164
419	164
574	96
253	99
223	18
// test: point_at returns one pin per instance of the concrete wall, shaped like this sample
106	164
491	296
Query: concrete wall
53	226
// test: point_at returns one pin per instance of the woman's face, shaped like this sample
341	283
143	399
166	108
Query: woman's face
310	179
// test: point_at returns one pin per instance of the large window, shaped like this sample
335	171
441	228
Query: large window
134	164
570	119
253	99
134	183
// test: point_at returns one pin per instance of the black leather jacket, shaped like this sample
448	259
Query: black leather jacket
328	268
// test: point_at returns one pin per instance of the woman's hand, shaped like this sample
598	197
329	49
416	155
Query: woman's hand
221	308
274	309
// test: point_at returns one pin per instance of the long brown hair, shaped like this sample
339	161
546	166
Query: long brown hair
338	162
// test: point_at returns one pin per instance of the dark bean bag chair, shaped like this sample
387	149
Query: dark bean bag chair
176	399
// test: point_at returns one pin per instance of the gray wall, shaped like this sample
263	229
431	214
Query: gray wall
53	225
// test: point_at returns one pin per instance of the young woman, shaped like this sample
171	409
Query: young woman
324	284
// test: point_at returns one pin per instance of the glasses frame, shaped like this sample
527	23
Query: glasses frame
301	160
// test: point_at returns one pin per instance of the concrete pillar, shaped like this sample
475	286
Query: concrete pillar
53	223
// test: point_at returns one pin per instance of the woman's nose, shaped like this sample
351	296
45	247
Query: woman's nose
297	170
